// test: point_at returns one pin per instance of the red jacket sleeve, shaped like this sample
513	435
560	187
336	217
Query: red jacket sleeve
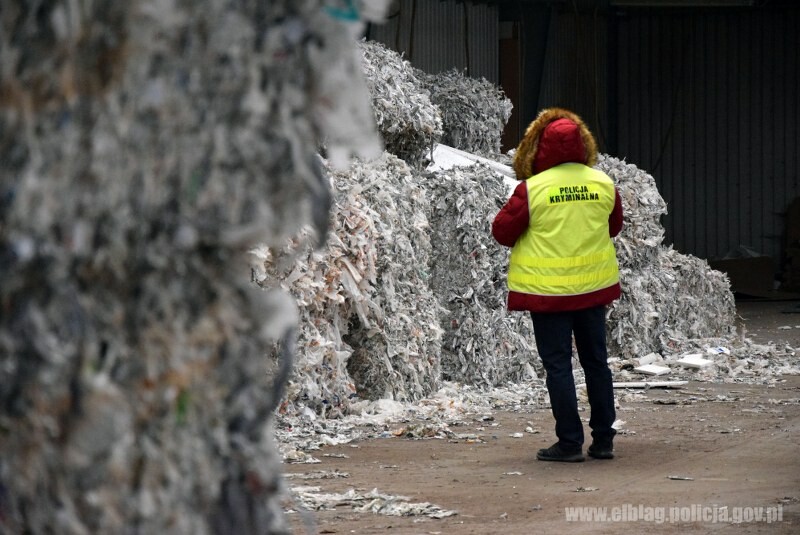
513	218
615	218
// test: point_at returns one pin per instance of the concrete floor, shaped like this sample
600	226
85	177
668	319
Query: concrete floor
766	321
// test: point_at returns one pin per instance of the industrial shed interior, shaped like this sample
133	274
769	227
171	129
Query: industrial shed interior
702	94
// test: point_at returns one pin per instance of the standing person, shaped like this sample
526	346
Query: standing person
563	270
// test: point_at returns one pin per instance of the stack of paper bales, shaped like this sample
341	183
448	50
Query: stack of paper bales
369	319
452	288
483	343
415	110
665	294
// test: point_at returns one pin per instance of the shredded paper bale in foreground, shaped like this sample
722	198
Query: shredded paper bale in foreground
146	147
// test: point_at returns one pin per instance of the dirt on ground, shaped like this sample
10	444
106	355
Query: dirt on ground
703	458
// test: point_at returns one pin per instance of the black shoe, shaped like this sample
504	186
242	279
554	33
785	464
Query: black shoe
555	453
601	450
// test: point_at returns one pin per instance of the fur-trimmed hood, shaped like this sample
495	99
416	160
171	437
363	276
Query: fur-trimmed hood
567	139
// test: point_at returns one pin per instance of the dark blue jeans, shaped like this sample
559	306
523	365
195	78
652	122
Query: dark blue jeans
553	332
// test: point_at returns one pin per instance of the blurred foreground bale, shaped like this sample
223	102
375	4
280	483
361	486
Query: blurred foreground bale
146	147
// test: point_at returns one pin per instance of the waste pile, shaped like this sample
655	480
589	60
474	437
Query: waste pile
450	290
147	146
666	295
415	110
487	355
407	292
483	343
369	321
474	111
408	122
373	329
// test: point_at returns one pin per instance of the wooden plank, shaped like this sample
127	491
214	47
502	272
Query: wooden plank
650	384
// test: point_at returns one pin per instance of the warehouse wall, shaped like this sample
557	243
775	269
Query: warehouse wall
575	65
436	36
707	102
705	99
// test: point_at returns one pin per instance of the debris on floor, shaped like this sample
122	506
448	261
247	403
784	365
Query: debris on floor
694	360
649	384
314	499
652	369
319	474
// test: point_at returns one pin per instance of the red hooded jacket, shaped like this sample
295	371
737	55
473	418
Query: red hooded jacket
556	136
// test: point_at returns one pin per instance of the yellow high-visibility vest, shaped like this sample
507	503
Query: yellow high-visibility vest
566	249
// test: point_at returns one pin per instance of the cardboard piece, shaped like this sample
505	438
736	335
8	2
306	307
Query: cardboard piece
650	384
791	268
750	276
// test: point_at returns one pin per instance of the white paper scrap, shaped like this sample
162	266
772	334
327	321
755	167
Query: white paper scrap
652	369
694	360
